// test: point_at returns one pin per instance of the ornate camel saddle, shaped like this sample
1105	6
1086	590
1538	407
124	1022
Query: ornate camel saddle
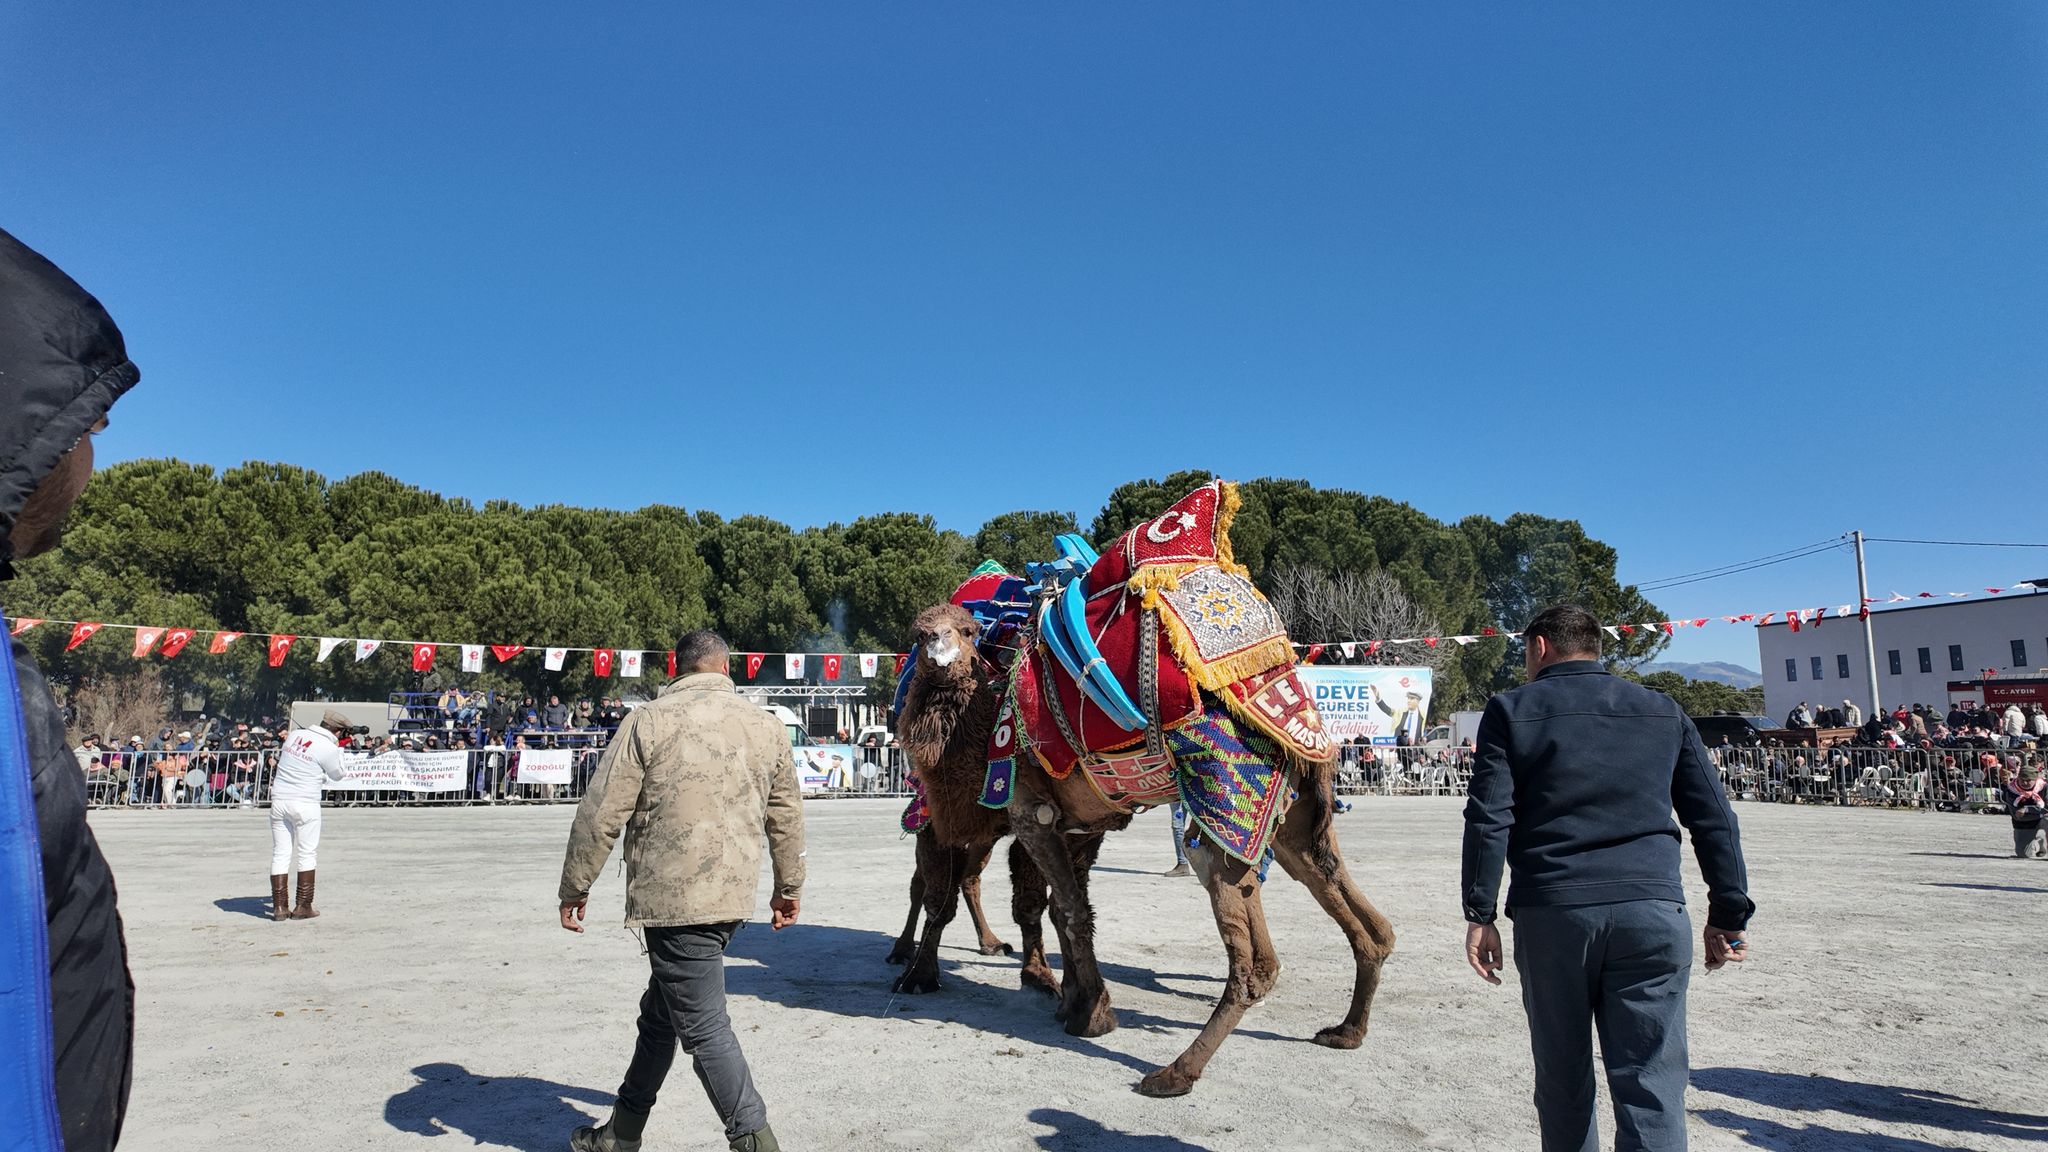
1160	669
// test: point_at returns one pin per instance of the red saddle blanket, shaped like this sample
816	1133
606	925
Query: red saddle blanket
1215	632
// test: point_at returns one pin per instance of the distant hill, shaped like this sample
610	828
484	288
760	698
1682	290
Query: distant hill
1734	674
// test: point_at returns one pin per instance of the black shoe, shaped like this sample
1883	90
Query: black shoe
600	1139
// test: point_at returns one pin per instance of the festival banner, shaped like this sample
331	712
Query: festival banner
555	656
543	765
174	642
870	664
472	657
629	663
327	646
1386	705
367	648
793	665
825	767
402	772
145	639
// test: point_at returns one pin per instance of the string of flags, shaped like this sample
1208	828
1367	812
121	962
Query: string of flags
629	663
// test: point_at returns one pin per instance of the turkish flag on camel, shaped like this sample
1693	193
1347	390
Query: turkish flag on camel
279	645
81	632
422	657
174	642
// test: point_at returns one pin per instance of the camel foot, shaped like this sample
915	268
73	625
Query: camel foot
1339	1036
1167	1081
916	983
996	948
901	953
1101	1021
1040	977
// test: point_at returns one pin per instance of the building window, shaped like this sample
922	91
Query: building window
1817	673
2019	653
1893	657
1842	666
1955	657
1791	668
1926	660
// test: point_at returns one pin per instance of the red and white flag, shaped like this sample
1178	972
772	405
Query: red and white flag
22	624
793	665
832	665
221	640
280	643
553	660
145	639
422	657
1349	649
472	657
327	646
629	663
601	662
870	663
366	649
505	652
81	632
174	642
1611	630
1372	648
754	662
671	663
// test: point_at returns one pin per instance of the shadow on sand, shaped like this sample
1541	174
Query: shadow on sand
1074	1133
517	1112
1969	855
257	906
1992	888
1885	1103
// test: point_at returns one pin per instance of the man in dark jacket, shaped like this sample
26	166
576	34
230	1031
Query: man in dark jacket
62	366
1573	786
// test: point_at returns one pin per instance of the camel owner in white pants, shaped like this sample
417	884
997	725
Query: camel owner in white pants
311	757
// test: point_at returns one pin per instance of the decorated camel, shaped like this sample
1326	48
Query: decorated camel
1154	673
945	718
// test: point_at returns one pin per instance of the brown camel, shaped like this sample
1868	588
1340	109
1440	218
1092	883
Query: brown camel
1049	816
948	713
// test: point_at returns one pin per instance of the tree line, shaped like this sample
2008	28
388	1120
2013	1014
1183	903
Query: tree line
274	548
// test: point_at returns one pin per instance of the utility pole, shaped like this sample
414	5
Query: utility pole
1863	611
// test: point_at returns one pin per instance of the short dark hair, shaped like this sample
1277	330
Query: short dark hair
1570	630
699	647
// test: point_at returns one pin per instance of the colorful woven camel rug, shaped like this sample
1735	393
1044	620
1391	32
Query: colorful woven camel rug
1230	781
918	812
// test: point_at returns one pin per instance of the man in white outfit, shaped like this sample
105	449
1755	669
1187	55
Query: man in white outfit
311	757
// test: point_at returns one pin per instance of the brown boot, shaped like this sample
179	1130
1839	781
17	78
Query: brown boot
305	910
280	898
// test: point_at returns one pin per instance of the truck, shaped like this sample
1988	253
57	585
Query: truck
1461	732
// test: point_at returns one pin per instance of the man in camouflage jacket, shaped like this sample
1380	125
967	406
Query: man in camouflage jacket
694	778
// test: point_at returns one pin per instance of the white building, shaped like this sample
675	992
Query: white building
1921	650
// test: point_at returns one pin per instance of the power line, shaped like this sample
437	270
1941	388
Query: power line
1743	566
1949	543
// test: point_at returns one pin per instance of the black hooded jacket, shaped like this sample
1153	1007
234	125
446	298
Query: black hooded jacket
62	366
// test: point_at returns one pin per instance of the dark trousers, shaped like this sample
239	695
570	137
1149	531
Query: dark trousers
1621	969
685	1004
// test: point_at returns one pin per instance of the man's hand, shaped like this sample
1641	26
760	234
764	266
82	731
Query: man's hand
1724	946
572	916
1482	951
784	910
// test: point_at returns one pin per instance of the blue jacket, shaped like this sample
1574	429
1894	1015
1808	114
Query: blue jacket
1574	781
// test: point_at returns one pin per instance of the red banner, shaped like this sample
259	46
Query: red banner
23	624
221	640
80	632
505	652
280	643
422	657
754	660
671	663
145	639
601	661
174	642
831	666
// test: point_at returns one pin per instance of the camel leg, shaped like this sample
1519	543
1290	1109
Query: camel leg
1241	920
1027	906
1370	934
942	868
970	888
1084	1000
906	944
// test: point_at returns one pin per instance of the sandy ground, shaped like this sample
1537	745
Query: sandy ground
438	1005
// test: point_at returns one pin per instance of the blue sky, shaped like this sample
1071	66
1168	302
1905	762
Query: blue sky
1715	280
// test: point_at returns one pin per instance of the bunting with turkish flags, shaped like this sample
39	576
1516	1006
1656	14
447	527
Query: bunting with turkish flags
23	624
422	657
81	632
174	642
601	662
472	657
221	640
832	666
145	639
754	661
1314	650
280	643
505	652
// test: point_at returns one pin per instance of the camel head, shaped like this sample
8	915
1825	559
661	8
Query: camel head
944	635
